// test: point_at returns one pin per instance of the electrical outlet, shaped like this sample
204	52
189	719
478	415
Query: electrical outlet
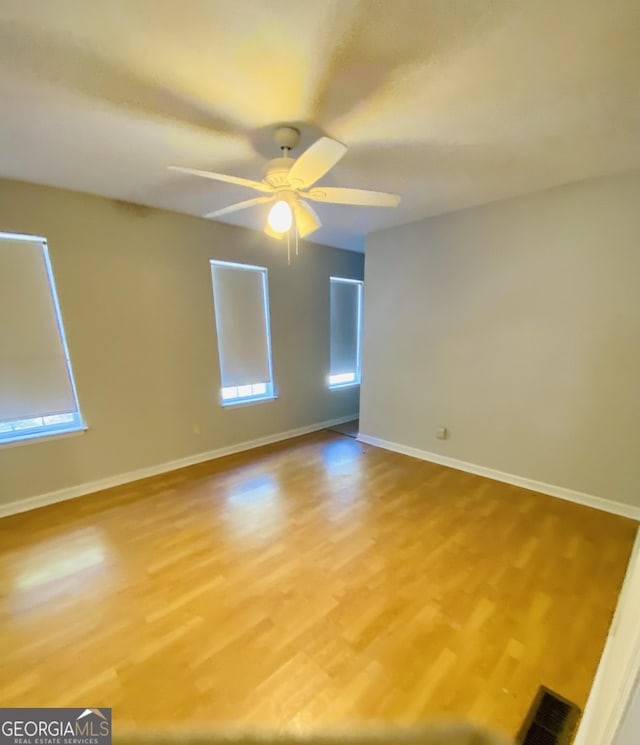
442	433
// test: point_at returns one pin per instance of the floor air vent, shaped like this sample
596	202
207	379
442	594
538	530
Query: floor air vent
550	720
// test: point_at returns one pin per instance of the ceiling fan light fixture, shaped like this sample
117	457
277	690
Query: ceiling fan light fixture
280	216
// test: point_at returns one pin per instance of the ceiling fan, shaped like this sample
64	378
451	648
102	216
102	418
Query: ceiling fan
288	183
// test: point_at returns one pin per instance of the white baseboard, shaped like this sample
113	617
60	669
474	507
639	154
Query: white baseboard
599	503
79	490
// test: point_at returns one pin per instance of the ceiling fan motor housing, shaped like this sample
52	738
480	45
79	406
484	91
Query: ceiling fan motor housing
276	172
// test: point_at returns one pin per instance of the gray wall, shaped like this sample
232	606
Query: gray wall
517	326
135	293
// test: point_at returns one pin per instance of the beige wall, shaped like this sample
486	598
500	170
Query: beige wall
135	292
517	326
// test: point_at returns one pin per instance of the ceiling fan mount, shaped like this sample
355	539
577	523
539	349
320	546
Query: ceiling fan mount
286	137
277	169
289	183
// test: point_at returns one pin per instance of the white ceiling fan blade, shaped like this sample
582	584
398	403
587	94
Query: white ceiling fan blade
258	185
315	162
306	219
363	197
239	206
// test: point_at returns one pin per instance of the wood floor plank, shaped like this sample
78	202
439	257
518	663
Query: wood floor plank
306	584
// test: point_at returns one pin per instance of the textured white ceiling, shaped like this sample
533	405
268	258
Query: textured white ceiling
451	103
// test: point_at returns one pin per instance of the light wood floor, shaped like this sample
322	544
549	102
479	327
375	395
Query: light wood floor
312	583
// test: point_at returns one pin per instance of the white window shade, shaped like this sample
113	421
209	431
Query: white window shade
35	377
346	299
242	322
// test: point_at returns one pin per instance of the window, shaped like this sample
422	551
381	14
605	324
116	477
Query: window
241	304
37	392
346	329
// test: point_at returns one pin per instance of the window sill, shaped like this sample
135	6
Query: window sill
344	385
31	439
245	401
